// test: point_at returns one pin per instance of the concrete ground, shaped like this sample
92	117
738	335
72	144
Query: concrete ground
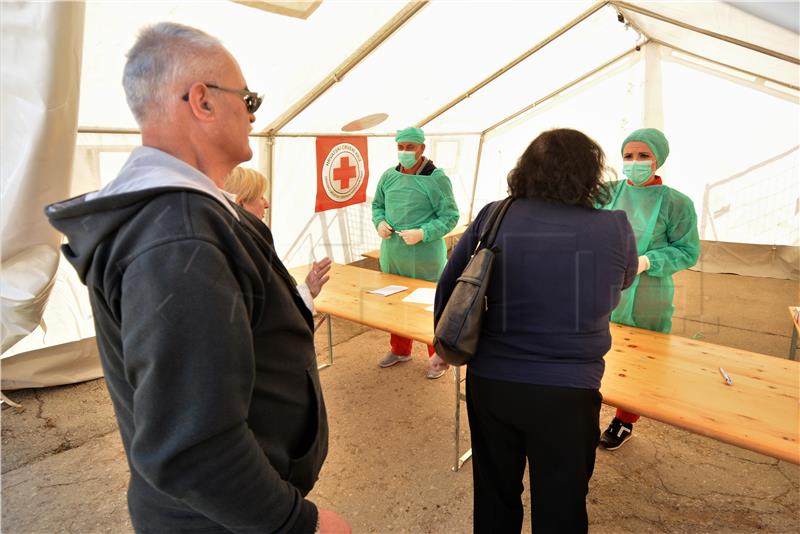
388	470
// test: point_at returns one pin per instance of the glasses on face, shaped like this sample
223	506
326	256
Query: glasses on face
251	100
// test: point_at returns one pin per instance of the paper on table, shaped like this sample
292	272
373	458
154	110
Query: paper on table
388	290
429	308
421	295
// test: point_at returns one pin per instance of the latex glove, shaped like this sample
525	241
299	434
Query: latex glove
644	264
384	230
412	237
318	276
331	522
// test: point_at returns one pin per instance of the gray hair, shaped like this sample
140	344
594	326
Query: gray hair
162	55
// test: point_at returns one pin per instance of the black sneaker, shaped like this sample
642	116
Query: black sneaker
616	434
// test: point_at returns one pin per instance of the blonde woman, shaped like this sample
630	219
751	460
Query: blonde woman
249	188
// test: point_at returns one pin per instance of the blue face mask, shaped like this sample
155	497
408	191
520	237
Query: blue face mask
407	158
638	172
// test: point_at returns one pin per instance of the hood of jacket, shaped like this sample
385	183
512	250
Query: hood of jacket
88	219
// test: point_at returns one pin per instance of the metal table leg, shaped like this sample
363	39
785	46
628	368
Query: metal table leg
458	461
326	318
457	404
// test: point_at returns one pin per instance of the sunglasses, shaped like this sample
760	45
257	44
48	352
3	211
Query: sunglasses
251	100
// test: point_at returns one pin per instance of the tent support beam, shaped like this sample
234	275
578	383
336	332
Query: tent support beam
134	131
475	179
737	69
101	130
343	134
647	13
561	89
363	51
480	85
270	168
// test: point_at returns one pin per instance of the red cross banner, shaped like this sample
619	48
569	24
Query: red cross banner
342	172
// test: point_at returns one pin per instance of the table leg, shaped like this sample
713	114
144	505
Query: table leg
457	404
458	461
327	318
793	346
330	341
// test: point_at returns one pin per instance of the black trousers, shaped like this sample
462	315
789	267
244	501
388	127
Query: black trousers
556	428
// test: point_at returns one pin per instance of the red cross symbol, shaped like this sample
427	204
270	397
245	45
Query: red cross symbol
344	173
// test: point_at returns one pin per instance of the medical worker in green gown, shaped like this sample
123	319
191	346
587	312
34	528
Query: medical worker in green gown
412	210
665	225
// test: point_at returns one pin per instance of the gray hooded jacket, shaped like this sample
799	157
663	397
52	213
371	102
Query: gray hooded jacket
207	349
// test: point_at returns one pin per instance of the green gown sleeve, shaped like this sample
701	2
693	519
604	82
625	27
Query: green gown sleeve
378	205
444	205
683	249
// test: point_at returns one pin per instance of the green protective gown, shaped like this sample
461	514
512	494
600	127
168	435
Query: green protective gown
665	225
408	201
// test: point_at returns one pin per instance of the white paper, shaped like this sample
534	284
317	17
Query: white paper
388	290
429	308
422	295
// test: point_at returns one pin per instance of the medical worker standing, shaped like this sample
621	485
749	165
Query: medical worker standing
412	210
665	225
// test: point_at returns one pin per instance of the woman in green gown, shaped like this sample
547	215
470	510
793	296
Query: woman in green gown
665	224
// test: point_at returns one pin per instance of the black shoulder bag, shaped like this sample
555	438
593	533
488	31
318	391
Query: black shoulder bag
459	327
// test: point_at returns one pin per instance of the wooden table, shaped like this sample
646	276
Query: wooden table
664	377
450	239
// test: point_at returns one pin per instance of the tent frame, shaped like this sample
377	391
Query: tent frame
273	130
384	33
513	63
388	29
623	6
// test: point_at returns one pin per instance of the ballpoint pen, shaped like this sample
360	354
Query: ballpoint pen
725	376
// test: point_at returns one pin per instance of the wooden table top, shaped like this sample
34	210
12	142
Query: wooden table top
664	377
677	380
345	295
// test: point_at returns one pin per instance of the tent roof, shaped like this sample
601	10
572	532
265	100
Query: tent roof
453	67
721	33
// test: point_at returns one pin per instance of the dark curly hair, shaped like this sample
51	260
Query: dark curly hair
562	166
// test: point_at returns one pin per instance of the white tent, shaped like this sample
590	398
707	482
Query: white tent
483	78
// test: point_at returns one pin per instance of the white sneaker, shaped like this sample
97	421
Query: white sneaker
391	358
437	368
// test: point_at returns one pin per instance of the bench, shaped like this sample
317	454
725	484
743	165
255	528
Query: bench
660	376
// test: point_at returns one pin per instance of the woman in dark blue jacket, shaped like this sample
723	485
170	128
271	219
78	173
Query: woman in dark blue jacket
533	385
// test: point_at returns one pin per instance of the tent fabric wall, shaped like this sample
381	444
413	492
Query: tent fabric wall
41	58
721	82
734	151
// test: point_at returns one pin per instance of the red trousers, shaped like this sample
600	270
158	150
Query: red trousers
625	417
402	346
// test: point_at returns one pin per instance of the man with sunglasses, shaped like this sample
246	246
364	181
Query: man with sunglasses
207	348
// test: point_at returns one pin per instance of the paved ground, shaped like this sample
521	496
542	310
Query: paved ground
388	471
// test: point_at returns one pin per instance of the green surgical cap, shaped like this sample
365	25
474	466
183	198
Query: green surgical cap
655	140
410	135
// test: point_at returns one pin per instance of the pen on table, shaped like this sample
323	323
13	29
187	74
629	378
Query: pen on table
725	376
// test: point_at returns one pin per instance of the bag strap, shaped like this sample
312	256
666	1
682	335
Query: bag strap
493	224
